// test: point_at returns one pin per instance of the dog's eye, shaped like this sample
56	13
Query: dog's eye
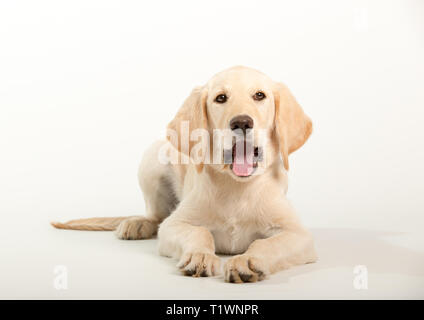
221	98
259	96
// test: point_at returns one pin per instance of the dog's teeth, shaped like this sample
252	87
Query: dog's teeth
260	156
228	156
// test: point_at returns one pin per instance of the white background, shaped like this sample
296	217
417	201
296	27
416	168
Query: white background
86	86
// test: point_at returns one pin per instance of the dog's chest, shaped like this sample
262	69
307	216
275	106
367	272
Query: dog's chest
235	235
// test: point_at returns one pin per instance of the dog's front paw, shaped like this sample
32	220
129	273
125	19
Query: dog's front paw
199	264
136	228
245	268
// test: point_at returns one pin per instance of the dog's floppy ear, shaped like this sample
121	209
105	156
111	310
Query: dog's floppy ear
293	126
191	116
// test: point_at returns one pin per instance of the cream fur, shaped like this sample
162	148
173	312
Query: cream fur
202	210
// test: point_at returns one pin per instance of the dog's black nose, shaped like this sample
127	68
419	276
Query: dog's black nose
242	122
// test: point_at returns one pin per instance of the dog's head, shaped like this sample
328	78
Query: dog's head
239	123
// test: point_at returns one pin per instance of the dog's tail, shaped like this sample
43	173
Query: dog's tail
91	224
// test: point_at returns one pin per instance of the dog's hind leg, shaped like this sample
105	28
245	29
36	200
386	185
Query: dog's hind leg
137	228
157	181
157	184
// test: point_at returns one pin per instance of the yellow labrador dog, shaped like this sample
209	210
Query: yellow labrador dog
234	204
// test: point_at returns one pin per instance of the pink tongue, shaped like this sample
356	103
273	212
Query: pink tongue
243	164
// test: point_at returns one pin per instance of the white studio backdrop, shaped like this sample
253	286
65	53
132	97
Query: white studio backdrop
86	86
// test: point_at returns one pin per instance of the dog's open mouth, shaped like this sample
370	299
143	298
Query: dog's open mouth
243	158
